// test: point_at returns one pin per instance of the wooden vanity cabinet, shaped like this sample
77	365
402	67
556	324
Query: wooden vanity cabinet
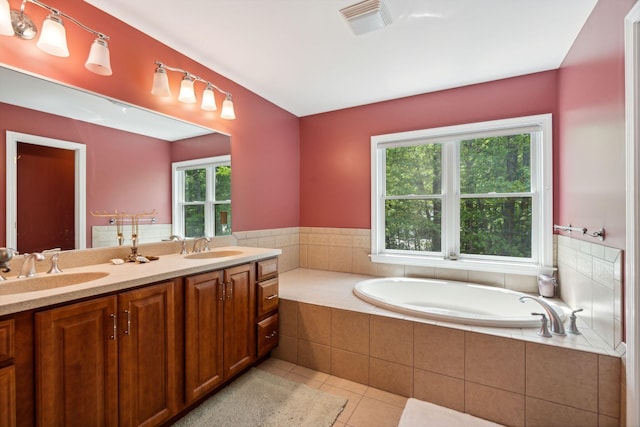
7	374
267	327
203	332
108	361
219	334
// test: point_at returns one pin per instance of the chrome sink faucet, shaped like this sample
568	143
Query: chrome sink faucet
557	328
175	237
29	265
201	244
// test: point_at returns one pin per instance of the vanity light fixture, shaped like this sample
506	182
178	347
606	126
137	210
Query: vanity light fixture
53	38
187	91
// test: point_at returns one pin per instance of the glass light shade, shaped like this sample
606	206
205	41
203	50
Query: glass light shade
6	29
208	100
161	83
99	60
227	109
53	38
187	94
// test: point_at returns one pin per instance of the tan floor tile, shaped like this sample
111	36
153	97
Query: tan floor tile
387	397
310	373
279	363
273	369
374	413
346	384
303	380
353	399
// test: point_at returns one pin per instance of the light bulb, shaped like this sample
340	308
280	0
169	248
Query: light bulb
227	109
208	99
187	94
161	83
99	60
6	28
53	39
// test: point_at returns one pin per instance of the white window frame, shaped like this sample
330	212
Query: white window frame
177	185
541	193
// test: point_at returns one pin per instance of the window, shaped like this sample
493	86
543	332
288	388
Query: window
475	196
202	197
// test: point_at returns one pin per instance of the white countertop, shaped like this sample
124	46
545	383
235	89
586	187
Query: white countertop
119	277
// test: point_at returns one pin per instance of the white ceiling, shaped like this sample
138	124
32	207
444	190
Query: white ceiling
302	56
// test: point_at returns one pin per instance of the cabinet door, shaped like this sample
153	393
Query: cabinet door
147	355
203	333
239	317
77	365
8	396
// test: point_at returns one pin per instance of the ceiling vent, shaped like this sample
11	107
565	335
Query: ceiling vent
367	16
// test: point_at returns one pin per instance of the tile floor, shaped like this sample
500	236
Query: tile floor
366	406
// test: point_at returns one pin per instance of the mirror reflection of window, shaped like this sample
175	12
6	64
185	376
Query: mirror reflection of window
202	197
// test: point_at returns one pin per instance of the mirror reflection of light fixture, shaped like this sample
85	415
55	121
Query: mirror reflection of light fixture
187	93
53	38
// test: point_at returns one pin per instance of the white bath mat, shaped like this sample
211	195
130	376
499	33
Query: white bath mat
417	413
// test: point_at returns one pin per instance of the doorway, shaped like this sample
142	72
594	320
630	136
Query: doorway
36	189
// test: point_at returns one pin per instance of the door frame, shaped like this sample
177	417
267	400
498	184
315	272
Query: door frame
80	193
632	255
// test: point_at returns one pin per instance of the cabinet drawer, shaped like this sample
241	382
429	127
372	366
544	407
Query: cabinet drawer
267	269
267	296
7	340
267	334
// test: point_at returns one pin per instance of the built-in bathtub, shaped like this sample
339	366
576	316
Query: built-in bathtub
455	302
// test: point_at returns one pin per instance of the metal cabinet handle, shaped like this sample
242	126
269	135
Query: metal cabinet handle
128	313
270	297
222	291
230	290
115	326
273	334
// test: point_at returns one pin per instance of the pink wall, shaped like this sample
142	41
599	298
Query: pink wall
265	138
125	171
591	160
335	147
200	147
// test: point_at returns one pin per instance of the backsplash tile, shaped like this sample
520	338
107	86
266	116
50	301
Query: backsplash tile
590	277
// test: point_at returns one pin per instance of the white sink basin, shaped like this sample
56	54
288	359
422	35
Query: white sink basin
48	281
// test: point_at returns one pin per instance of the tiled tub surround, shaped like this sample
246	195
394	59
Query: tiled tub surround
285	239
347	250
590	277
510	376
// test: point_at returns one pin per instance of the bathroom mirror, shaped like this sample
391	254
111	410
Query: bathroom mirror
177	140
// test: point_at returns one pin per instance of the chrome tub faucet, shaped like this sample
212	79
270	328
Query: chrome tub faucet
557	327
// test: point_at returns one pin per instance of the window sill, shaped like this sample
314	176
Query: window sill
528	269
